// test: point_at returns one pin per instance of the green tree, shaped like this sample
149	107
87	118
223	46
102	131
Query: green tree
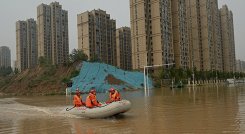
43	61
95	58
172	73
180	74
16	71
77	56
189	73
4	71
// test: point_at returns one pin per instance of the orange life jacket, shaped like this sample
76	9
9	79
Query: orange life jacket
115	97
91	101
77	101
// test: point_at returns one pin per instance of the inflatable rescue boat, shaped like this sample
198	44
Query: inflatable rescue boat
106	110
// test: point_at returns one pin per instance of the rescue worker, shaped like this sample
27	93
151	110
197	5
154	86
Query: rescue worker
114	95
77	99
91	100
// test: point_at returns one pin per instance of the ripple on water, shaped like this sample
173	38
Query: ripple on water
200	110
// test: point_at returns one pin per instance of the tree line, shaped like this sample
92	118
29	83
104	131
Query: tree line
187	74
5	71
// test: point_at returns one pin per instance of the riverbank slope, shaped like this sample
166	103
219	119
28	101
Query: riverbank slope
42	80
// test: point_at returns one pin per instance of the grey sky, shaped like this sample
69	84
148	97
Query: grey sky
14	10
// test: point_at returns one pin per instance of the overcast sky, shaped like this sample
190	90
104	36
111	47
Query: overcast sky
14	10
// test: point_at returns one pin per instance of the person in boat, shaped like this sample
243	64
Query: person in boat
91	100
77	99
114	95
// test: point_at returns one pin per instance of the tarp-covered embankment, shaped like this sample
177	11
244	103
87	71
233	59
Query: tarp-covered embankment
103	76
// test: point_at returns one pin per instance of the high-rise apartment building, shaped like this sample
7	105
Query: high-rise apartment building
204	34
97	36
193	20
123	47
21	45
218	54
52	29
186	32
180	34
5	57
26	44
240	66
151	32
228	41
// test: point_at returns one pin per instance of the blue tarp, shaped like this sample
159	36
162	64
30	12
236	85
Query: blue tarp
94	75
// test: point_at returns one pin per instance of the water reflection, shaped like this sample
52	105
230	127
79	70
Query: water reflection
44	126
101	126
209	109
201	109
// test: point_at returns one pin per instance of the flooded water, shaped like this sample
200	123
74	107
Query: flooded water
209	109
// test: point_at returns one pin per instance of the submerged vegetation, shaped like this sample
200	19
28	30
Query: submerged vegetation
184	75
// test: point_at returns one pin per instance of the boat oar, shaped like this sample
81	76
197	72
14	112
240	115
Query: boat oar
68	109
